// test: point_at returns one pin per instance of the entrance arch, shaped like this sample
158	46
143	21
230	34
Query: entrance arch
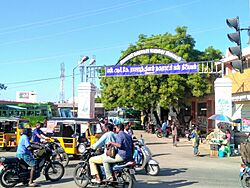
151	51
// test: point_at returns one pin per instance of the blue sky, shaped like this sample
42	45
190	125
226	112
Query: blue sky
37	36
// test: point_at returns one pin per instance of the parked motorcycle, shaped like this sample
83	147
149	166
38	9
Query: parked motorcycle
245	175
160	133
143	158
58	153
14	170
123	173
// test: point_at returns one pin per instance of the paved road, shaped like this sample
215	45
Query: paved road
179	168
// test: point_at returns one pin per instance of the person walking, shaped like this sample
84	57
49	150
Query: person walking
196	141
174	134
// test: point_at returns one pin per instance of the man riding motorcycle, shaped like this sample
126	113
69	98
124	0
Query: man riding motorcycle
24	152
108	136
124	145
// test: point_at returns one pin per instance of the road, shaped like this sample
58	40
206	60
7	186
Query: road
179	168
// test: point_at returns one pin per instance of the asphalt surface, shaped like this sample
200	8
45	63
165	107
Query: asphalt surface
179	168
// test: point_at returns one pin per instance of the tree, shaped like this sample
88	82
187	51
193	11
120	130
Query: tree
2	87
147	92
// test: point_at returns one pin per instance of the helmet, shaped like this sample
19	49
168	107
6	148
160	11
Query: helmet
27	131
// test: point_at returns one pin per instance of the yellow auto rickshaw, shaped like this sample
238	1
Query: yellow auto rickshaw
74	133
10	131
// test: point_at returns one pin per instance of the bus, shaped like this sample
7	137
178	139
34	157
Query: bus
34	112
124	115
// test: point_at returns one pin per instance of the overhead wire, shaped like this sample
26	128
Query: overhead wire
99	25
68	18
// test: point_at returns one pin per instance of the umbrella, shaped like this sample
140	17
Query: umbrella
221	117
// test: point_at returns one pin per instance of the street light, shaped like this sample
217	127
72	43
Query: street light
84	58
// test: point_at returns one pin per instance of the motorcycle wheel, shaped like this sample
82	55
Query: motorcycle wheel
54	171
128	180
81	175
5	179
64	159
159	134
152	170
245	180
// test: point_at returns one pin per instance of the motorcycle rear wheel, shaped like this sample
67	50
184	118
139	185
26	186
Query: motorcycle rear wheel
159	134
245	180
64	159
128	180
54	171
81	175
5	178
152	170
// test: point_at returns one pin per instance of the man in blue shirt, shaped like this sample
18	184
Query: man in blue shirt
38	134
124	144
24	152
108	136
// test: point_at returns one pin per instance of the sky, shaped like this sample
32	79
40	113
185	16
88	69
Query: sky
36	37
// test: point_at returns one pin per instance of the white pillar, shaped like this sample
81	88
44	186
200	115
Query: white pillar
86	100
223	96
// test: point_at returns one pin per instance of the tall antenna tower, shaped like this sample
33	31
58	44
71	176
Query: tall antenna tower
62	77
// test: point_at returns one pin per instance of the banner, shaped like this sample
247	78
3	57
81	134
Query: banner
245	127
136	70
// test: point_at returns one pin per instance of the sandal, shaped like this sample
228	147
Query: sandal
32	185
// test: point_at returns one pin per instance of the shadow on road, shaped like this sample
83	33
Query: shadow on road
172	184
44	182
71	165
166	171
184	145
160	154
155	143
171	171
62	181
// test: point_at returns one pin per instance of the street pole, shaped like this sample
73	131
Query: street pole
84	58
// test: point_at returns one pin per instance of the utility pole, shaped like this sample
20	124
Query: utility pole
62	77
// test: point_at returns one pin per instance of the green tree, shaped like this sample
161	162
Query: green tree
3	87
147	92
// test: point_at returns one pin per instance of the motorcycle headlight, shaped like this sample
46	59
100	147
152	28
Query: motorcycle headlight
81	148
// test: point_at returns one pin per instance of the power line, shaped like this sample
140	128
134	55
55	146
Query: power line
37	80
68	18
99	25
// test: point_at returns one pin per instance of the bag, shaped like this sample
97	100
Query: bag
111	151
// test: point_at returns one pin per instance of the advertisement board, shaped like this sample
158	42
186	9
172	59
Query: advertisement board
245	127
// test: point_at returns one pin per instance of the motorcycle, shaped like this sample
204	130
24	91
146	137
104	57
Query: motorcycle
160	133
123	173
143	158
14	170
58	153
245	175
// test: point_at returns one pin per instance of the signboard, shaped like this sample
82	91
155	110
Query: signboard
245	127
152	69
24	95
151	51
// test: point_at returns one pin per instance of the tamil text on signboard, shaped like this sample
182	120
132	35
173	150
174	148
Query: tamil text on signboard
177	68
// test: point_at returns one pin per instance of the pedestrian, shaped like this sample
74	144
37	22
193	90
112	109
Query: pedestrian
228	134
174	134
196	141
164	127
